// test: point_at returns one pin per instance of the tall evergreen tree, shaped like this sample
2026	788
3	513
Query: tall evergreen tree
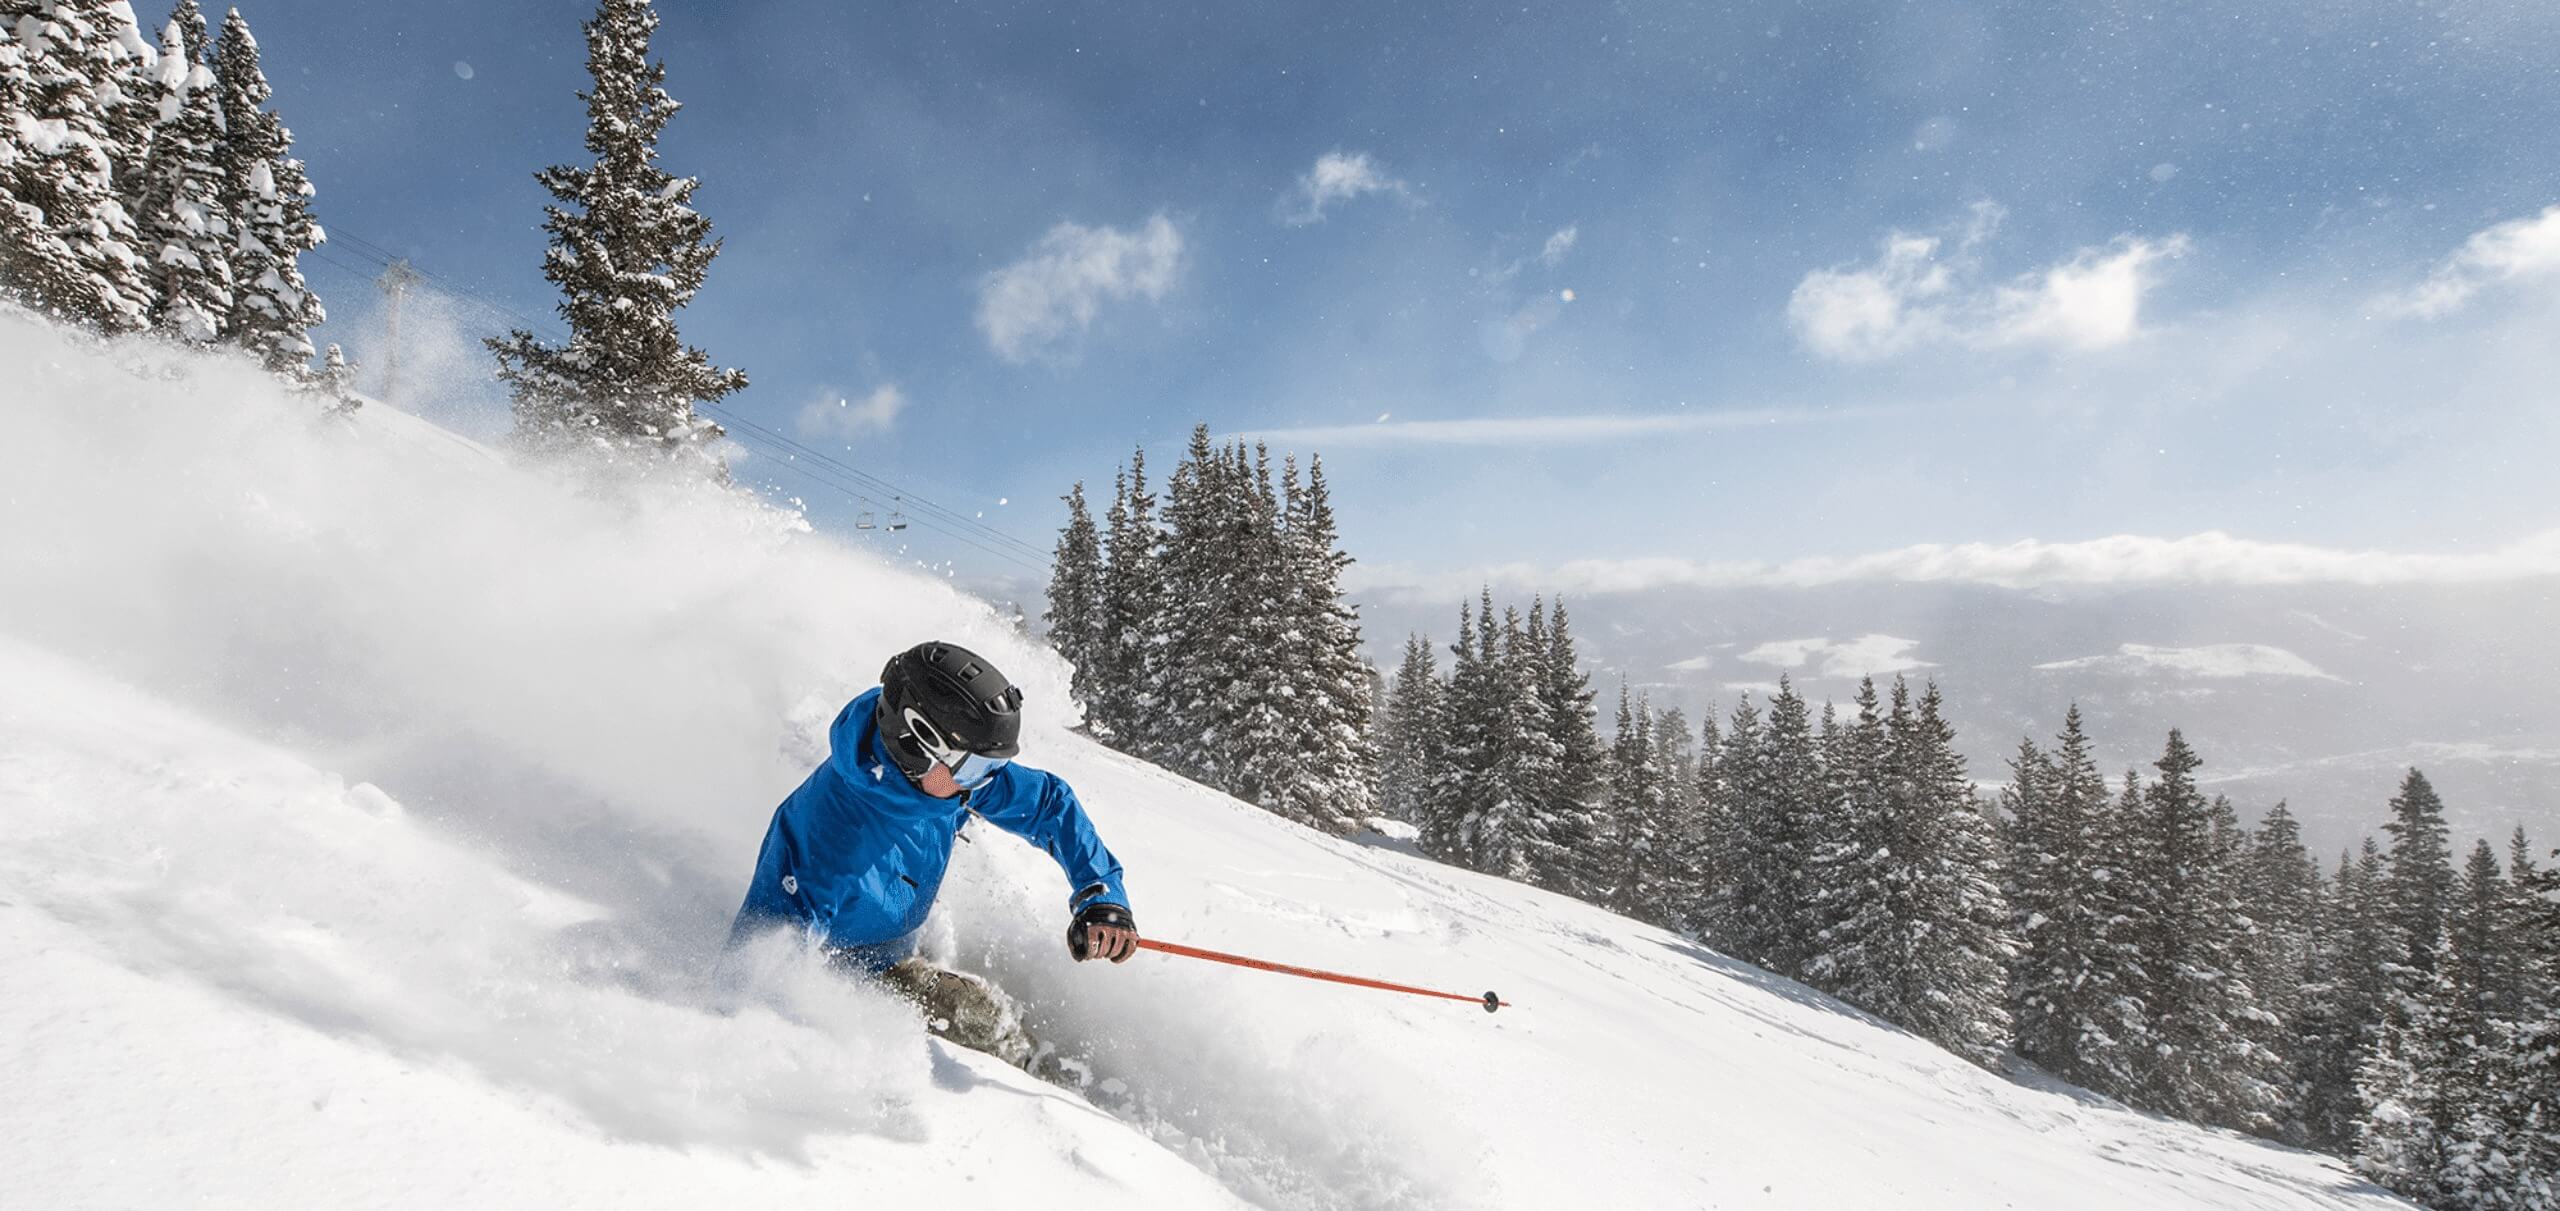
268	202
1854	865
1075	613
1579	794
1635	802
1733	853
1129	693
1675	773
2284	898
179	213
1332	707
1414	744
627	252
68	246
1698	904
2207	1064
1516	833
1953	987
2431	1111
1203	584
1456	787
1771	904
2480	931
2526	1069
2076	986
2421	880
1265	760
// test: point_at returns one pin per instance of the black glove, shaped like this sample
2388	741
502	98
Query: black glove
1106	915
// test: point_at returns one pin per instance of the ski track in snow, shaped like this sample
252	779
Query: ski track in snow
370	813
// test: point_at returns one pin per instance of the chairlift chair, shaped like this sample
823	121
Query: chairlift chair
864	521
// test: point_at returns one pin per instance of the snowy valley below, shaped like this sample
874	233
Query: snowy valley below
371	812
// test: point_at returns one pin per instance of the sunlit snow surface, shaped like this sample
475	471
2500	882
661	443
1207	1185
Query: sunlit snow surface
369	812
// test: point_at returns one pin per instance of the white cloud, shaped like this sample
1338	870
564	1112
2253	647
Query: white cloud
1039	305
2123	560
1335	178
1558	245
2519	248
2219	661
832	416
1545	430
1915	293
1694	664
1864	656
2092	301
1875	311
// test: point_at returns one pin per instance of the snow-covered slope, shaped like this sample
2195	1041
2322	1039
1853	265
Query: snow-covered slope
369	812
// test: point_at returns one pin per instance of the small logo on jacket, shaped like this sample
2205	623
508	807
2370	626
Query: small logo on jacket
790	885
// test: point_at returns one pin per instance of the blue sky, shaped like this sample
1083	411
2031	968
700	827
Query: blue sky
1844	278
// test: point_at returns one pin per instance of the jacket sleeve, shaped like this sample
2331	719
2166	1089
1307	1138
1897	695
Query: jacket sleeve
1039	807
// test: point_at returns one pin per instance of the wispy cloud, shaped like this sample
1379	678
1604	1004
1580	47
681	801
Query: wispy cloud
1547	430
1337	177
2219	660
1917	292
1558	245
831	416
1040	305
2211	558
2516	249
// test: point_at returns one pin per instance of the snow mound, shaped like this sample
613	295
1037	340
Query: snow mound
370	811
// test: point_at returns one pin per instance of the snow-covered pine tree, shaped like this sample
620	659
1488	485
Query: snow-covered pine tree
1129	688
1074	616
1413	730
2206	1064
1734	852
68	247
2421	879
1707	835
1634	806
2343	1008
1855	862
1515	835
1201	580
338	379
2477	921
1266	653
1333	709
2527	1068
179	215
1452	791
1675	773
627	252
1580	794
267	199
2423	1081
129	95
1771	908
2283	895
1959	944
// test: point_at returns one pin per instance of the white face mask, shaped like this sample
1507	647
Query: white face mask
969	770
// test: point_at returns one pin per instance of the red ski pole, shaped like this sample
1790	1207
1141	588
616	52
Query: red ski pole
1488	1000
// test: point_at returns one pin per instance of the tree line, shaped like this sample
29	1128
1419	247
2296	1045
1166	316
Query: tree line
2134	938
152	189
1209	635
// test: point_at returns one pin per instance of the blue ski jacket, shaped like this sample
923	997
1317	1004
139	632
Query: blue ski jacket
856	855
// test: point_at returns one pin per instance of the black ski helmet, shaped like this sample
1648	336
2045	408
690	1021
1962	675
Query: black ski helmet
960	695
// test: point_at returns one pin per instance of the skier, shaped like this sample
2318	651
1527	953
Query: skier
855	856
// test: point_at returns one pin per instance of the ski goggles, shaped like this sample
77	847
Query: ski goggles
969	770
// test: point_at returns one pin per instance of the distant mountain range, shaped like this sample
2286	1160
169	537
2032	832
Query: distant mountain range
2317	694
